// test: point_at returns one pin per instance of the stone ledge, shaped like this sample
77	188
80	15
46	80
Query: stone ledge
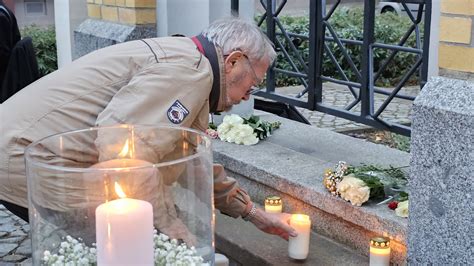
286	165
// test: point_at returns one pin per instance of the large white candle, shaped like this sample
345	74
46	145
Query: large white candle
273	204
298	247
124	232
379	251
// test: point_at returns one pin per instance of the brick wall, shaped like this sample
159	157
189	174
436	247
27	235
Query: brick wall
132	12
456	47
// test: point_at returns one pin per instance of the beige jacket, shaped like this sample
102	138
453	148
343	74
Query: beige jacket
134	83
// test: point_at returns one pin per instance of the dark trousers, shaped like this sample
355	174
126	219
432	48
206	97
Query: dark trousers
17	210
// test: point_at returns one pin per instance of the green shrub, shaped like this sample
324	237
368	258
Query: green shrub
44	42
348	24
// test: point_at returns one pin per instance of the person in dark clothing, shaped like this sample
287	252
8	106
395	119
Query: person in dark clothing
9	36
22	69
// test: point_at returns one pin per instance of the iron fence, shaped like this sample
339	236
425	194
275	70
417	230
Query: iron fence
362	88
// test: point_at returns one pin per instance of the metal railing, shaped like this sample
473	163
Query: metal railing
321	35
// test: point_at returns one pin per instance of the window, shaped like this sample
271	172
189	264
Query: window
35	7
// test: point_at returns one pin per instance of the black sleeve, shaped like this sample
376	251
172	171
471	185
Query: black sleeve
9	36
5	47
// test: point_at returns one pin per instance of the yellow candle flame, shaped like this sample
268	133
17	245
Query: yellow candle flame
125	149
119	191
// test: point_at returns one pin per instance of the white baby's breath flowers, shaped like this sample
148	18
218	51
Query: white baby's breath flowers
402	209
234	130
73	252
354	190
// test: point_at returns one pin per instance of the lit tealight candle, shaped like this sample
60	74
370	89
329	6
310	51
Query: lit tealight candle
273	204
379	251
124	232
298	247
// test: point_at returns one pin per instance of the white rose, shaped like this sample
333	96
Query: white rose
233	119
223	128
354	190
244	135
402	209
250	140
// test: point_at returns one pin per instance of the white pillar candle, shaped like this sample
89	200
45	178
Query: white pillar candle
220	260
379	251
273	204
298	247
124	232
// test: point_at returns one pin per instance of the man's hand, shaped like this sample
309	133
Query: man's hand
274	223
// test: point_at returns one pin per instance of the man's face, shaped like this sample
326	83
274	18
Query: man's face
242	75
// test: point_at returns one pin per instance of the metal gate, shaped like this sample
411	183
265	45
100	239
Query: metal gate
323	39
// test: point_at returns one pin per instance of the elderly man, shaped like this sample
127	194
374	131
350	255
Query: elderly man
173	80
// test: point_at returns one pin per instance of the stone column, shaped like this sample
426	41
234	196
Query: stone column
440	223
114	21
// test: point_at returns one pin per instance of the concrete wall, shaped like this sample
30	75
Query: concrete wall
24	19
132	12
456	48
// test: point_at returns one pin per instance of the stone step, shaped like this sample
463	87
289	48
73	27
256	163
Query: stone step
291	163
244	243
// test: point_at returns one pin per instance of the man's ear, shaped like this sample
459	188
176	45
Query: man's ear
231	59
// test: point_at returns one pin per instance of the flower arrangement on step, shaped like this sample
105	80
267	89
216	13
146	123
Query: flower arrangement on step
167	252
359	184
239	130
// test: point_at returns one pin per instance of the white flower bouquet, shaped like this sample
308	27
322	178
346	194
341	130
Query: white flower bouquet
235	129
359	184
167	252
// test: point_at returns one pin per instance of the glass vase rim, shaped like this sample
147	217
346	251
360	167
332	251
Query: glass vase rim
154	165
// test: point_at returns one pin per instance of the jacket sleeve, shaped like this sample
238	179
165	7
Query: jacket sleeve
229	198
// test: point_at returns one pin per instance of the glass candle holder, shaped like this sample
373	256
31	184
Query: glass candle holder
379	251
120	194
273	204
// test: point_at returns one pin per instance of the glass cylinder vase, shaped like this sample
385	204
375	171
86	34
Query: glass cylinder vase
124	195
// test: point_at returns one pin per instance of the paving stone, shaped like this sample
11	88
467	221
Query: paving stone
14	258
11	240
26	227
10	227
25	248
7	248
19	233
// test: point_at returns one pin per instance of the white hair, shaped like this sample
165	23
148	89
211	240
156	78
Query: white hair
233	34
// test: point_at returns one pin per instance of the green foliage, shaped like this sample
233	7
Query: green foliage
401	142
402	196
348	24
393	172
263	129
376	187
44	42
381	180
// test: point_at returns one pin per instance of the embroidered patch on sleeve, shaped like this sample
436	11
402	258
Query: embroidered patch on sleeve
177	112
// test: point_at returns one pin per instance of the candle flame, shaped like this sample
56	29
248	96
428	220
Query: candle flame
125	149
119	191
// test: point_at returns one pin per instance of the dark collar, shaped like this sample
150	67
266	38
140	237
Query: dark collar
209	51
